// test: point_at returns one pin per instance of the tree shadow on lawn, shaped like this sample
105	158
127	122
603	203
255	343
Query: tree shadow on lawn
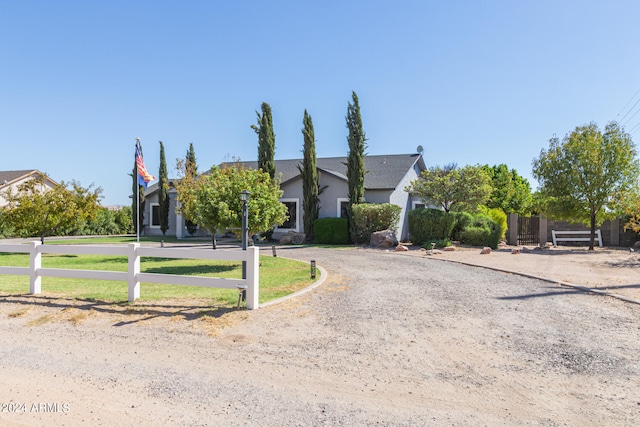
190	270
135	312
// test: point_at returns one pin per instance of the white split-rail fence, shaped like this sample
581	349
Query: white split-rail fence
133	276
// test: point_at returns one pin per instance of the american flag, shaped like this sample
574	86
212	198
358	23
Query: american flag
144	177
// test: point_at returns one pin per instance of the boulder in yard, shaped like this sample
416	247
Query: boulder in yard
401	248
383	239
292	237
485	251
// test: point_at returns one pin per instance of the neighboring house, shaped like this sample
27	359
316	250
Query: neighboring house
385	180
11	180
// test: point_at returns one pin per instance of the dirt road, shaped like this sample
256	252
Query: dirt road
386	340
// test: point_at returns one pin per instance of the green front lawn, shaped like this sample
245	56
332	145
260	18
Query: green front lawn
278	277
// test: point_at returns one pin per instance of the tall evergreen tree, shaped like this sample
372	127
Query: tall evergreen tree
191	168
310	177
266	141
163	195
355	159
191	165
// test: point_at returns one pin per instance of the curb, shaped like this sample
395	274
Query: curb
320	281
558	282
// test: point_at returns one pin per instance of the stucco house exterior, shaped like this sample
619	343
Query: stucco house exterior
385	180
11	180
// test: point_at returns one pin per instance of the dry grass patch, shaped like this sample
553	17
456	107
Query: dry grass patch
19	313
215	325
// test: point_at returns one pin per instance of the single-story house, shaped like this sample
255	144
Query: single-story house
11	180
385	180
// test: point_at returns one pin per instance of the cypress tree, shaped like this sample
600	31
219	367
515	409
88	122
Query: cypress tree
191	167
355	159
310	177
163	195
190	164
266	141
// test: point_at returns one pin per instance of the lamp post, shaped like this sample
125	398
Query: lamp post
244	196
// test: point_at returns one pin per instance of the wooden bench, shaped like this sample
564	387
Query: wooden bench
587	234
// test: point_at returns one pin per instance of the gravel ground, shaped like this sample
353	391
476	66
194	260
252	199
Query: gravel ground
387	340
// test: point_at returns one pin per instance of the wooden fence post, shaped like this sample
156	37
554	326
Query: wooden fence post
512	229
35	263
134	270
253	277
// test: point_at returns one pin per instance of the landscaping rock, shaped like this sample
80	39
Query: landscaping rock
401	248
292	237
449	249
383	239
485	251
515	251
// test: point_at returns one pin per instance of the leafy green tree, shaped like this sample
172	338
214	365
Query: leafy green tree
453	188
584	177
355	159
266	141
213	200
163	195
510	191
37	210
310	177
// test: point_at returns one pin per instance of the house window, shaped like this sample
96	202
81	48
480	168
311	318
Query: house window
418	205
342	210
293	212
155	215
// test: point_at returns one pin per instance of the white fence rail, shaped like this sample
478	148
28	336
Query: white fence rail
133	276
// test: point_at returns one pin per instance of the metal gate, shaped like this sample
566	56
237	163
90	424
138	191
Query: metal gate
528	230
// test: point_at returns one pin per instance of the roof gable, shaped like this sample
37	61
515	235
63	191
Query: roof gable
10	177
383	172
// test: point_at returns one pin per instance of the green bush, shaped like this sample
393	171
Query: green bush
331	231
436	243
429	224
498	216
460	221
371	217
481	231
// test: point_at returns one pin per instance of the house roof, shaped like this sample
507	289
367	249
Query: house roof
383	172
9	177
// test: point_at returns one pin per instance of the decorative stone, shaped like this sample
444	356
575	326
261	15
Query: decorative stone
515	251
383	239
449	249
292	238
485	251
401	248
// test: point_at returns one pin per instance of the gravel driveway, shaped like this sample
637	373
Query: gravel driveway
386	340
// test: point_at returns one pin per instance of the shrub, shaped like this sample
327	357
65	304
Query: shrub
460	221
368	218
482	231
498	216
332	231
429	224
436	243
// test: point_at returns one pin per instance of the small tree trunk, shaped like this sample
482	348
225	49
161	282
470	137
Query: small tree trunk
213	240
593	231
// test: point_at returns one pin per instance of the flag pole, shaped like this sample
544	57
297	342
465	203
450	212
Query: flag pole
137	196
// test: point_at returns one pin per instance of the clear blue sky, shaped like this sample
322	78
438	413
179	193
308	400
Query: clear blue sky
471	81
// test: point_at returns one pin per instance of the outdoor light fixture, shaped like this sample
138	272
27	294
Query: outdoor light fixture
244	196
